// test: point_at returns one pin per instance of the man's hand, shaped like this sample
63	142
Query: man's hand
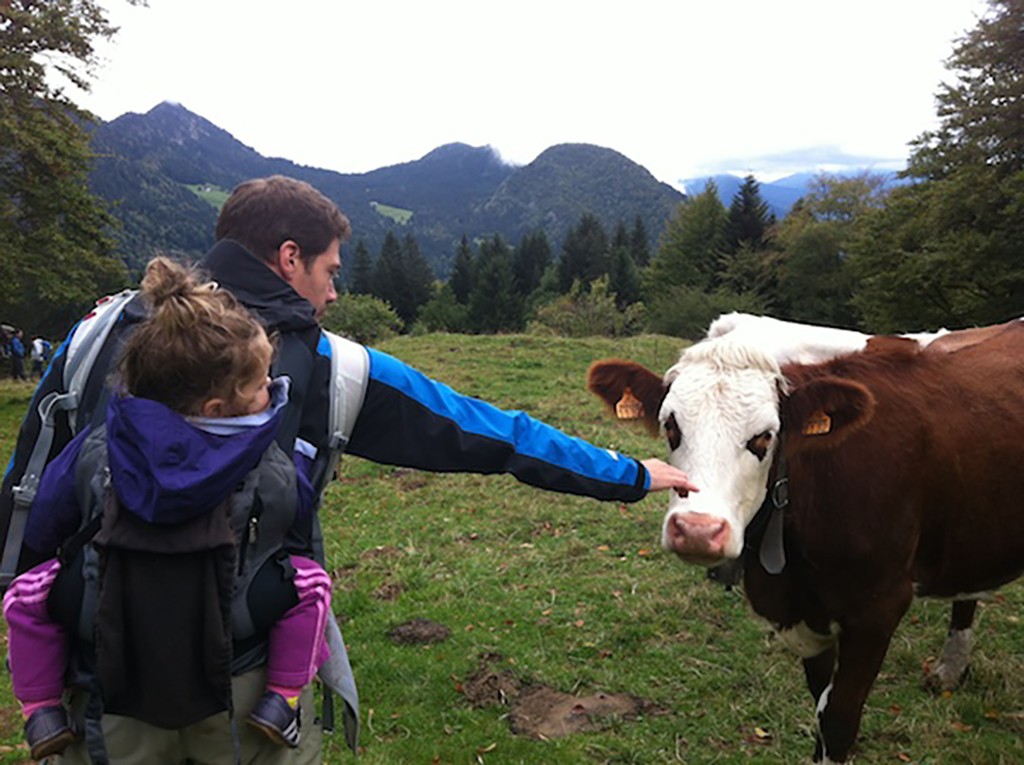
664	476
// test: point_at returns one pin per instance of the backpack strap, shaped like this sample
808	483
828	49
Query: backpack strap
25	492
85	345
80	355
350	370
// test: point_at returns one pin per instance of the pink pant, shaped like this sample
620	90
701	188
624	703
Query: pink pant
38	646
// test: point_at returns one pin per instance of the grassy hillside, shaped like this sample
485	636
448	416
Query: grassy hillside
547	589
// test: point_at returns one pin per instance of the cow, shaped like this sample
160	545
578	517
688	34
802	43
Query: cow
891	469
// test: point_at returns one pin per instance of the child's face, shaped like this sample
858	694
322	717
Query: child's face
254	396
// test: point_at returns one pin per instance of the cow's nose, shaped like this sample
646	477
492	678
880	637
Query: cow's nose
697	536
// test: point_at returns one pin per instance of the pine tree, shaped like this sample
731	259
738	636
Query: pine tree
361	279
462	272
749	218
532	257
584	253
623	277
691	245
620	238
387	271
419	278
639	245
494	305
402	276
58	255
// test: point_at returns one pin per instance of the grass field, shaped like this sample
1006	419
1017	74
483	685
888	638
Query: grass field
576	595
396	214
215	195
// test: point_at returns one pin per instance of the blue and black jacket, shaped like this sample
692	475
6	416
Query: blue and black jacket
408	419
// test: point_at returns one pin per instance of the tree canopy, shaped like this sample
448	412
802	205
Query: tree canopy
58	250
948	250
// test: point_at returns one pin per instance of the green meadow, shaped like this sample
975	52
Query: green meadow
541	589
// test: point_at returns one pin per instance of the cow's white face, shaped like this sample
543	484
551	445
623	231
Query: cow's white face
721	418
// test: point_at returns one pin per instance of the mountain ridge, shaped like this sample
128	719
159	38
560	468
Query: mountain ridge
149	165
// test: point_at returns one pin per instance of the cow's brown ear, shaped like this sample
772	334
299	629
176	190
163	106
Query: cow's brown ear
630	390
824	411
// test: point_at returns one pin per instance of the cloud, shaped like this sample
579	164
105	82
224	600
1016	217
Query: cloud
770	166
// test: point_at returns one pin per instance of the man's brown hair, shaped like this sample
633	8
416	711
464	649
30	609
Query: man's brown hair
263	213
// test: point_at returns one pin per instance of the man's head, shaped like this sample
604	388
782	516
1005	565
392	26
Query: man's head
291	227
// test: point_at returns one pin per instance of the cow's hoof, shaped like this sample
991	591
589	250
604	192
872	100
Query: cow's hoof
945	678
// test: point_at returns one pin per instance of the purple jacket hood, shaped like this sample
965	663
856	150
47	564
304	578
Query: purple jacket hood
165	469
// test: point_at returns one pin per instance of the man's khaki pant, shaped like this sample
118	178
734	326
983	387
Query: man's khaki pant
208	742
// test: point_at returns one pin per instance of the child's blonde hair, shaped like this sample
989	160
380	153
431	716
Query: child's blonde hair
197	344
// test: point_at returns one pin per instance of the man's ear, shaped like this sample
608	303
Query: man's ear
287	260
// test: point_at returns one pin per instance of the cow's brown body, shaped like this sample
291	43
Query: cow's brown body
916	488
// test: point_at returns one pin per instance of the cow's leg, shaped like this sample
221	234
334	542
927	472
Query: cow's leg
951	667
863	643
819	670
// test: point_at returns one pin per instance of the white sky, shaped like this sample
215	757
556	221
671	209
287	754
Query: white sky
684	87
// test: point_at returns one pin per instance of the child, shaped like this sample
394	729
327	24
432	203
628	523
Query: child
197	371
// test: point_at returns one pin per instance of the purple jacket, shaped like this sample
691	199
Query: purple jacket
163	467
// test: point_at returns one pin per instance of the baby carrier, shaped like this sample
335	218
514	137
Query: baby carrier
221	541
163	612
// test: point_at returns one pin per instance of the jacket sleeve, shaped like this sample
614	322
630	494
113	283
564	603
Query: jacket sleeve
55	513
27	436
411	420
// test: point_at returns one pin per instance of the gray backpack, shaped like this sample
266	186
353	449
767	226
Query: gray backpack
88	341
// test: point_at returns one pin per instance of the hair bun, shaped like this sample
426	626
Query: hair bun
166	280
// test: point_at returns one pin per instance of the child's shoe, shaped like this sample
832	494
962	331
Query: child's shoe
273	717
47	732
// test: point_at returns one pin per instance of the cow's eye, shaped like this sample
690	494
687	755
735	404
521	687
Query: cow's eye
758	445
673	433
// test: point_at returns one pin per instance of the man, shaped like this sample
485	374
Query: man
18	356
278	250
38	357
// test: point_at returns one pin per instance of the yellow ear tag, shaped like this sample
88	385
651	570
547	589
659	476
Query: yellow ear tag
818	424
629	407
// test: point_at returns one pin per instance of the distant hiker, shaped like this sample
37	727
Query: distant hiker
196	415
39	356
17	347
278	251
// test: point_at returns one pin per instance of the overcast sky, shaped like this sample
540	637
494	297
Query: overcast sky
684	87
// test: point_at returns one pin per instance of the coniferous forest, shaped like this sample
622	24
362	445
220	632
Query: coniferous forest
943	247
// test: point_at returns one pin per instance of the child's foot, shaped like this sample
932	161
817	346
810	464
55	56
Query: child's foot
48	732
273	717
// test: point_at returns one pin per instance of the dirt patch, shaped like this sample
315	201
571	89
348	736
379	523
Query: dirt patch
542	712
419	632
388	591
488	687
409	479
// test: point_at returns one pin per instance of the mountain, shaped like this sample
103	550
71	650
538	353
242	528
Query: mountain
156	170
780	195
568	180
